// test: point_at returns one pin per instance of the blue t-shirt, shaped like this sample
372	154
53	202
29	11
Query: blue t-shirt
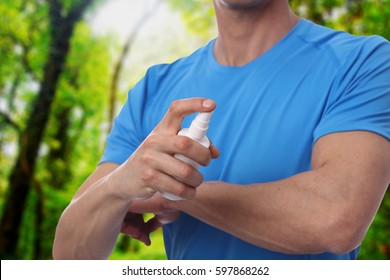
269	114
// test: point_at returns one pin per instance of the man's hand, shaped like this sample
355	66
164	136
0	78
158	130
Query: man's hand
135	226
157	205
152	167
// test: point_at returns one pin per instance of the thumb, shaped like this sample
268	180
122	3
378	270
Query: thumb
179	109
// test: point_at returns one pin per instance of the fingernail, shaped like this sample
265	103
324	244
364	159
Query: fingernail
207	104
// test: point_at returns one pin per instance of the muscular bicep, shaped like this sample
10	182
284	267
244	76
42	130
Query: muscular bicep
357	163
101	171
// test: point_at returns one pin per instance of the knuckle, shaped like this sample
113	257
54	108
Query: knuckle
148	175
146	159
151	141
182	143
182	190
206	158
149	191
185	171
199	179
185	191
174	107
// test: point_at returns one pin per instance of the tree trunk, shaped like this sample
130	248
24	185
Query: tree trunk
121	59
39	213
57	161
20	180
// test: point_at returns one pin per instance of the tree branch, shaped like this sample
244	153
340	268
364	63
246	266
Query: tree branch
78	10
7	119
119	63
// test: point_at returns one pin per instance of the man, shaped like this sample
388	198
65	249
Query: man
302	122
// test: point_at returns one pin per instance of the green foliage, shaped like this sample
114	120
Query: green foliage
23	43
363	17
376	245
82	91
198	15
23	47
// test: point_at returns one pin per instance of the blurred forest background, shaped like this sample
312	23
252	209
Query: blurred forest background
63	79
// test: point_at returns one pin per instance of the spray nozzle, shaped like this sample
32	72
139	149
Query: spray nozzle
200	125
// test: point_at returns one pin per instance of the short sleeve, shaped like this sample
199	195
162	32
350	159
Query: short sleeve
362	101
126	134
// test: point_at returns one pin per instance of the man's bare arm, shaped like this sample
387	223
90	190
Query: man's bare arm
90	225
76	236
328	209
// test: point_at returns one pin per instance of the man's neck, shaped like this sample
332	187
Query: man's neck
246	34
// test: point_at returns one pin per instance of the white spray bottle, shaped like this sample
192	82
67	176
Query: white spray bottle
196	131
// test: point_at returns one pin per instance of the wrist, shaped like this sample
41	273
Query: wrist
115	188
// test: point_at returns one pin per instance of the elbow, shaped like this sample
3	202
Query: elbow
63	245
67	241
342	232
60	251
57	253
63	250
70	245
342	245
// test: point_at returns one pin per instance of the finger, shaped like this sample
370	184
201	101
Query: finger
190	148
162	182
176	187
141	232
152	225
179	170
133	226
175	144
157	164
214	152
133	219
182	108
133	231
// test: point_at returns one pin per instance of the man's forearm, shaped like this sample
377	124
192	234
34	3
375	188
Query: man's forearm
89	227
301	214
